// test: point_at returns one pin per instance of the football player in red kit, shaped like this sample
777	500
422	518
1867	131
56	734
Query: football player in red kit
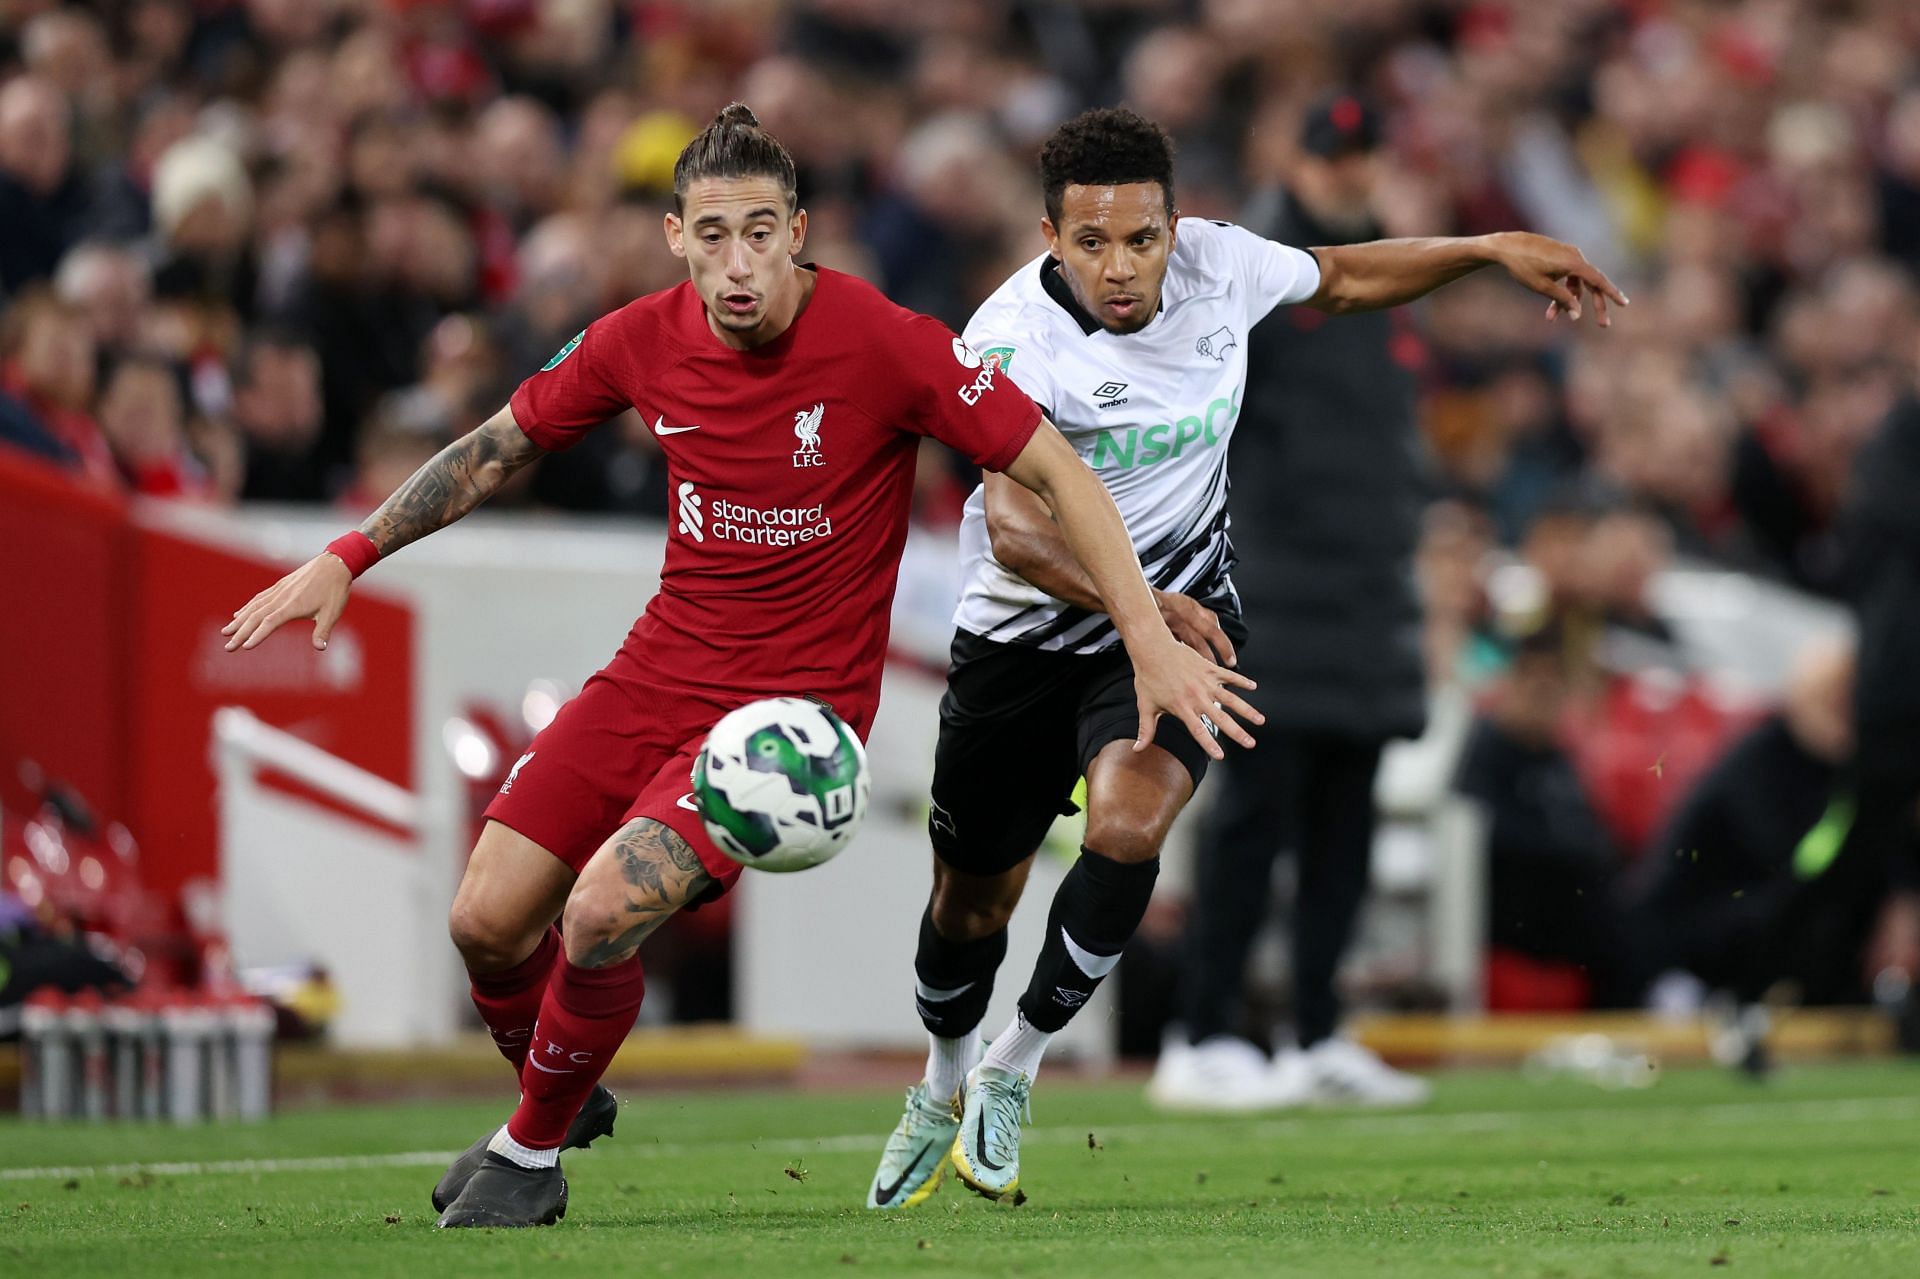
789	402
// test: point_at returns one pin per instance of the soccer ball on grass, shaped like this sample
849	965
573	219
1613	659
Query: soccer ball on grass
781	784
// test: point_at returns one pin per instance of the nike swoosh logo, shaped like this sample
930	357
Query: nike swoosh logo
660	427
686	802
980	1140
535	1063
886	1193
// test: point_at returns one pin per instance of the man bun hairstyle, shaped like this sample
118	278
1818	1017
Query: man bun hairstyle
1105	147
734	146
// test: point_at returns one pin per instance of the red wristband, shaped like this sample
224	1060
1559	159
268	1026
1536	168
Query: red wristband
357	550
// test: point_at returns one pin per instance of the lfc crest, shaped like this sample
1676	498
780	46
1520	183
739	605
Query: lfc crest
806	429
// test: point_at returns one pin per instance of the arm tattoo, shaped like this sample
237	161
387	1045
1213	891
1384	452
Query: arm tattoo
662	873
458	478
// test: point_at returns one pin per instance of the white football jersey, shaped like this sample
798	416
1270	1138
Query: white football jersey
1151	412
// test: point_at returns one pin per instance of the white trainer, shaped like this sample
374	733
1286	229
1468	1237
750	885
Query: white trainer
1290	1079
1344	1073
1221	1075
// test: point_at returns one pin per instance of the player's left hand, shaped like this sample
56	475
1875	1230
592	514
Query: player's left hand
317	589
1559	272
1196	626
1172	679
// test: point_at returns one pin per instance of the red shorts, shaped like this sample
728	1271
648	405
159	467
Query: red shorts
624	748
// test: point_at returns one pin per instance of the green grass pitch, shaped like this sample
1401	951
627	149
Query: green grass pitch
1816	1173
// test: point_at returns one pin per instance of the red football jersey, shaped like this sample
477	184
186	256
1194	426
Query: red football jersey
790	469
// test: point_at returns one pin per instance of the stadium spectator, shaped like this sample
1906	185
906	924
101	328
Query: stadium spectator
143	416
1552	865
46	387
43	202
1883	774
1748	884
203	214
1450	566
276	412
113	286
1330	474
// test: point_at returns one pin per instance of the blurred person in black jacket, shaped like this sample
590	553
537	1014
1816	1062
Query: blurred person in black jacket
277	411
1552	868
1882	529
1756	877
43	202
1329	479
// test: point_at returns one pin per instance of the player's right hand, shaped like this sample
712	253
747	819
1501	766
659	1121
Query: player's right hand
1196	626
317	589
1172	679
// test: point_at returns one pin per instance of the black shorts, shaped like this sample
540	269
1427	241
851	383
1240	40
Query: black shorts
1018	727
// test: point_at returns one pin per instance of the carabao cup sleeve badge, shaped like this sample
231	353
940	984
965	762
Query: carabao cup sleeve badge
564	351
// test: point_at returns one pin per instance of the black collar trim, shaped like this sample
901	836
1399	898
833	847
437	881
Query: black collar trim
1057	290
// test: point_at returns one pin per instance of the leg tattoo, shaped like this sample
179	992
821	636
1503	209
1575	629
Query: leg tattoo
661	873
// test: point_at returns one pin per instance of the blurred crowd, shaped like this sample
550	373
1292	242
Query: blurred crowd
285	249
282	250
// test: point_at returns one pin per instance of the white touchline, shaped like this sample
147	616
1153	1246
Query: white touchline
1409	1125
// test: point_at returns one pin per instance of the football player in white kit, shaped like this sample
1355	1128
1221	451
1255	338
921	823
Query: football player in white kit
1130	331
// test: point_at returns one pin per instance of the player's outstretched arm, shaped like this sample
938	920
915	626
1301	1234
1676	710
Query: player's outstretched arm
455	480
1169	677
1027	541
1384	273
458	478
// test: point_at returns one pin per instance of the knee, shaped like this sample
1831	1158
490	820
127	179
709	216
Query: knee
486	940
592	925
1126	842
968	912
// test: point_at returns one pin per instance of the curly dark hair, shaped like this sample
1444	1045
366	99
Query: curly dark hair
733	146
1108	146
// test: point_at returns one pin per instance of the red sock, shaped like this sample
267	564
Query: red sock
583	1021
510	1001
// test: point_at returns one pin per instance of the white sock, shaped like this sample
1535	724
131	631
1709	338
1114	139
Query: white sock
525	1156
948	1061
1019	1048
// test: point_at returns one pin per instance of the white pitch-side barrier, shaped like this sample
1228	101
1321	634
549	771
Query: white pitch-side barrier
305	883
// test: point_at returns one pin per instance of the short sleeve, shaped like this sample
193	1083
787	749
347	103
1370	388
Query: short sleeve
1276	274
583	385
996	336
959	396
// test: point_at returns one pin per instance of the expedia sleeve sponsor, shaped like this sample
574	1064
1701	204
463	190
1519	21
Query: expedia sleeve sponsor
972	391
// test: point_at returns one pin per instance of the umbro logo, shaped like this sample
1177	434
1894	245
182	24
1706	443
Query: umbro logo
1110	394
1069	998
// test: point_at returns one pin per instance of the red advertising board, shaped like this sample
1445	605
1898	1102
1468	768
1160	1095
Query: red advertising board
353	700
63	560
113	664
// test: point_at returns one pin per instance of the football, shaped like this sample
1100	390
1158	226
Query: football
781	784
